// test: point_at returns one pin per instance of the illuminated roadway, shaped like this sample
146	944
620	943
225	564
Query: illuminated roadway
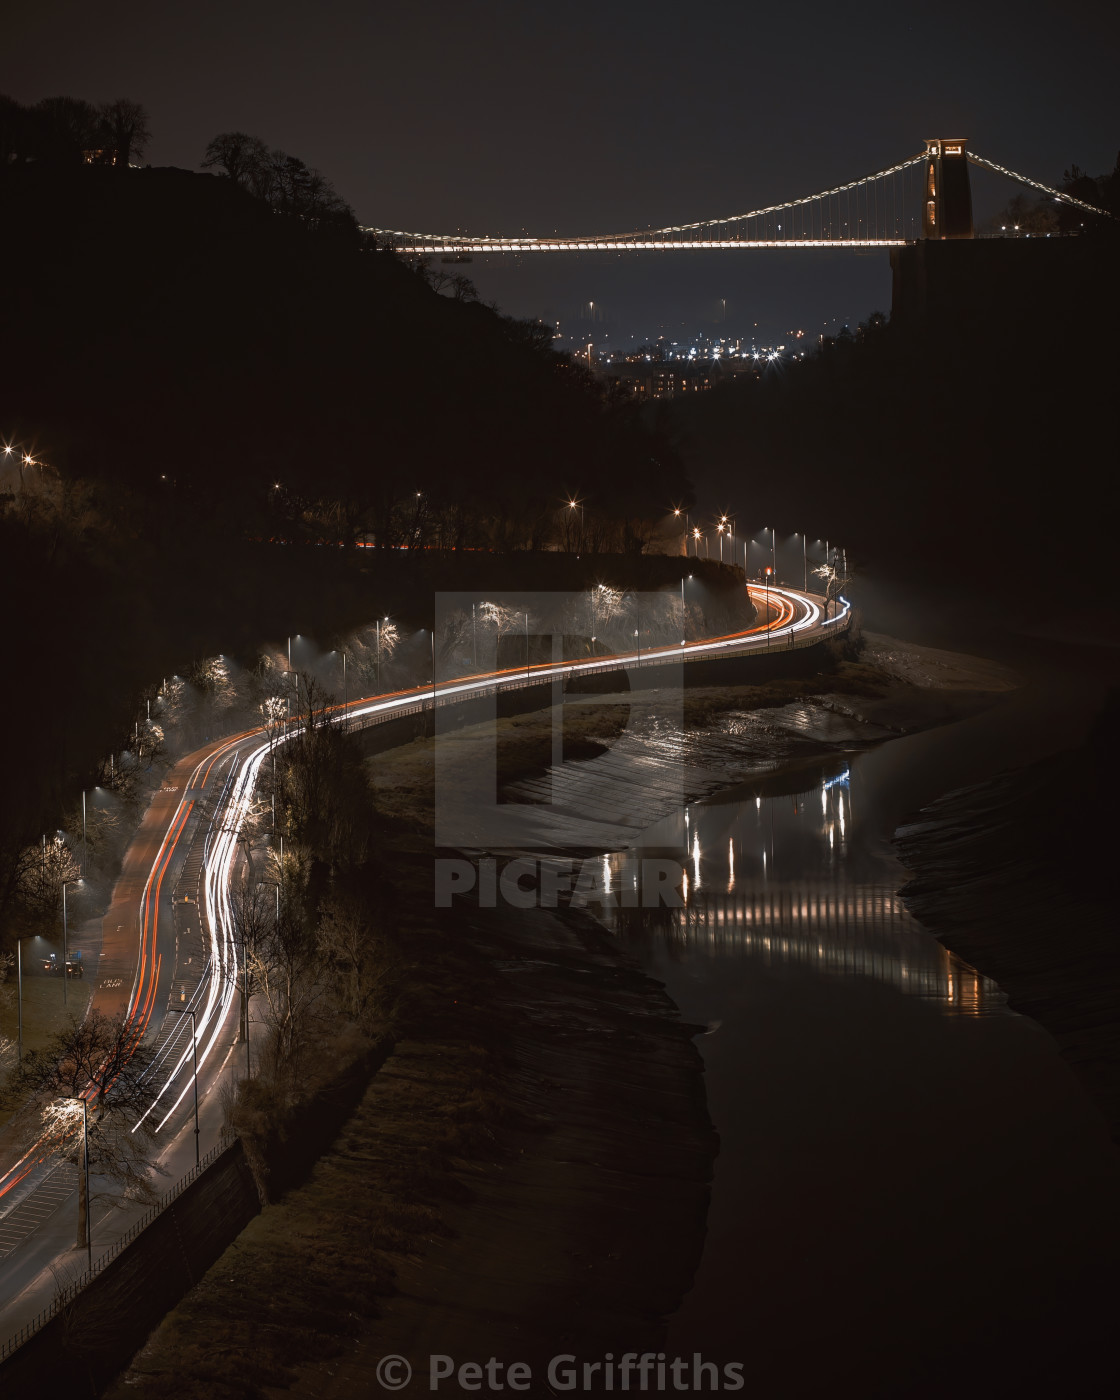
197	815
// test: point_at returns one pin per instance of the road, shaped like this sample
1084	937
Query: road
167	946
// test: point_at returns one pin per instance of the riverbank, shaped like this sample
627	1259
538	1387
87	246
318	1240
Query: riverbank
1012	874
528	1171
540	1106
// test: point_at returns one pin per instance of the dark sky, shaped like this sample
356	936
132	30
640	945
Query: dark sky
495	116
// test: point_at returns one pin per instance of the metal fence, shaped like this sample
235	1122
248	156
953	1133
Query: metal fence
66	1294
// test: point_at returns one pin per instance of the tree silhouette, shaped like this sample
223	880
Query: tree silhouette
124	129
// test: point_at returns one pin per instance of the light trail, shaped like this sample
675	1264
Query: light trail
218	986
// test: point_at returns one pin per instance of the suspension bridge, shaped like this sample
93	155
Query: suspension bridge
927	196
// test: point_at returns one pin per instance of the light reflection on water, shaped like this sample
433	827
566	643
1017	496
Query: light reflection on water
788	880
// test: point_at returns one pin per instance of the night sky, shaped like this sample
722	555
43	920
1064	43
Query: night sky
581	118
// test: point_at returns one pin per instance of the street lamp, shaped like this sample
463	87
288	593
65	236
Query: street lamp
189	1011
696	543
769	571
83	1215
677	513
572	504
19	992
65	936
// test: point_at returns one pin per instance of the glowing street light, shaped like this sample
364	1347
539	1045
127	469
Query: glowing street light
573	504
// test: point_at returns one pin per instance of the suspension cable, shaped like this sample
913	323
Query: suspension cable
837	190
1037	185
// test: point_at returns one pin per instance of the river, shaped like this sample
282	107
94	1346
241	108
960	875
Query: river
914	1195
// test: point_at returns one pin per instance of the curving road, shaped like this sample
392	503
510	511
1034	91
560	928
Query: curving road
167	943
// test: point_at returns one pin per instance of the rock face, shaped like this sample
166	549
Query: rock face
1014	875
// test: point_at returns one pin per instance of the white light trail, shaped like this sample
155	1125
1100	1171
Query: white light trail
219	986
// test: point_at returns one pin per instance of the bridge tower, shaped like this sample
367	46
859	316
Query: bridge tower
947	198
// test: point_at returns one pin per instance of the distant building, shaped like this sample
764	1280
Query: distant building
654	381
101	155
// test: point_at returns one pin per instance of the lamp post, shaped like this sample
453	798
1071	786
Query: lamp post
804	562
85	1234
189	1011
572	505
774	551
526	644
677	513
245	996
85	845
696	543
65	937
19	992
769	571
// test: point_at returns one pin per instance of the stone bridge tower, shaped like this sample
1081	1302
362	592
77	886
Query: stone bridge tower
947	197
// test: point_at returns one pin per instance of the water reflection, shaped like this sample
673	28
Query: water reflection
789	879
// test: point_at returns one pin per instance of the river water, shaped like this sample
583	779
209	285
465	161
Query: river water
913	1196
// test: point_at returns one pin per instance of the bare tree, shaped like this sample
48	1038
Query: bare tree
286	970
240	157
252	915
42	871
98	1068
835	581
68	127
125	129
356	959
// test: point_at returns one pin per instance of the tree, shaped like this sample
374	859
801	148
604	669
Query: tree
103	1062
42	871
285	968
356	959
240	157
835	581
252	915
124	129
67	127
